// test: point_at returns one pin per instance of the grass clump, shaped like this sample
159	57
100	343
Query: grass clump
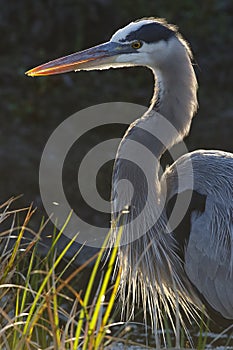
35	292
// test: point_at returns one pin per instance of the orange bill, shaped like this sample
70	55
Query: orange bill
99	57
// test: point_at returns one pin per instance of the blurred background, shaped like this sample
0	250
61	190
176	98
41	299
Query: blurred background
34	32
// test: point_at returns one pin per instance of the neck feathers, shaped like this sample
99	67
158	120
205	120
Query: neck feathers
166	122
175	95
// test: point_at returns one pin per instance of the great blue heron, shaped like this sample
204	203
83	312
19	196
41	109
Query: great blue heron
192	261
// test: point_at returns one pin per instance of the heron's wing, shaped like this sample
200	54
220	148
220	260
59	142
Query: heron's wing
209	254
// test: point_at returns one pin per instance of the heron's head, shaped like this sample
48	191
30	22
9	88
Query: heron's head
147	42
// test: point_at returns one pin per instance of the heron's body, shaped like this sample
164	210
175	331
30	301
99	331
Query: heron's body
189	260
208	259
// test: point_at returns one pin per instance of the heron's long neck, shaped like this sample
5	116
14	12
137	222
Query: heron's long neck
167	121
175	94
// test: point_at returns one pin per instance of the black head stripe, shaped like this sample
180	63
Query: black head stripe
150	33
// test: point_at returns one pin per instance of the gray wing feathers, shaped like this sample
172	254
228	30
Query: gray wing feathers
209	255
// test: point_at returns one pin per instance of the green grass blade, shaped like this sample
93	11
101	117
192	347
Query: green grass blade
101	333
43	284
83	312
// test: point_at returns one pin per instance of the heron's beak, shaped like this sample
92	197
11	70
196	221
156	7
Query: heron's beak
99	57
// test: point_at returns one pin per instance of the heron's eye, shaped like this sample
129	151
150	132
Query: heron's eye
136	44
